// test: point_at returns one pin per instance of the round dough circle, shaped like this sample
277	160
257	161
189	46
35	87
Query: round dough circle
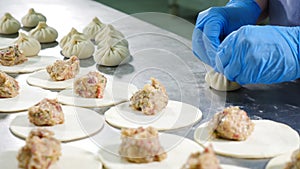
114	93
79	123
175	115
279	162
23	100
33	64
72	157
268	139
42	79
177	154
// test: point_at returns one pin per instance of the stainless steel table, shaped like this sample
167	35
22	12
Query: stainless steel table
161	54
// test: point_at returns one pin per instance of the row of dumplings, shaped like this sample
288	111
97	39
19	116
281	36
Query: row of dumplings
112	47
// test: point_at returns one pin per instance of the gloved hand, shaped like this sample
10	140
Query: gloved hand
217	22
260	54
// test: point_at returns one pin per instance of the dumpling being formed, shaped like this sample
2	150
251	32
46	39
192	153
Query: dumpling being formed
12	56
219	82
66	39
108	30
32	18
78	46
112	53
93	28
28	45
44	33
9	25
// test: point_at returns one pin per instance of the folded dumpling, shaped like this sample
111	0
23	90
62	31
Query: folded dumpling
219	82
93	28
32	18
111	53
108	30
78	46
44	33
66	39
28	45
9	25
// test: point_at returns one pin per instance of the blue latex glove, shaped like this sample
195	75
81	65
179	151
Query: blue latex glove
260	54
217	22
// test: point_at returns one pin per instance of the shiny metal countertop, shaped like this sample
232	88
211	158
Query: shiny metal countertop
155	53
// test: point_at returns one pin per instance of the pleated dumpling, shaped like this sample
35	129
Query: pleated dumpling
32	18
93	28
111	53
44	33
66	39
79	46
28	45
219	82
9	25
108	30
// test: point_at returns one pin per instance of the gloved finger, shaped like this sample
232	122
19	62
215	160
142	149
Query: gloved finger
203	48
212	30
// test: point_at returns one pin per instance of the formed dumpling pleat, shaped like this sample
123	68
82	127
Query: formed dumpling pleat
108	30
78	46
219	82
44	33
66	39
112	54
32	18
28	45
9	25
93	28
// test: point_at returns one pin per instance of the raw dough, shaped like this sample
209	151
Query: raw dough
174	116
9	25
219	82
28	45
268	139
32	18
78	46
44	33
93	28
66	39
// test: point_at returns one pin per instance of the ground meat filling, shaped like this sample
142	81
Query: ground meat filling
152	99
48	112
295	161
233	123
11	56
41	150
141	145
9	87
91	85
64	69
205	160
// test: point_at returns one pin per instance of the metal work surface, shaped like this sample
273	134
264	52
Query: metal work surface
155	53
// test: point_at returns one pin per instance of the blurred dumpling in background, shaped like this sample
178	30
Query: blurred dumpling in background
93	28
28	45
108	30
79	46
44	33
9	25
66	39
32	18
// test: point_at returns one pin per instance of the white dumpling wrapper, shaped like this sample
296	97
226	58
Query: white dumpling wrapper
28	45
66	39
108	30
113	40
219	82
44	33
111	54
93	28
9	25
79	46
32	18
